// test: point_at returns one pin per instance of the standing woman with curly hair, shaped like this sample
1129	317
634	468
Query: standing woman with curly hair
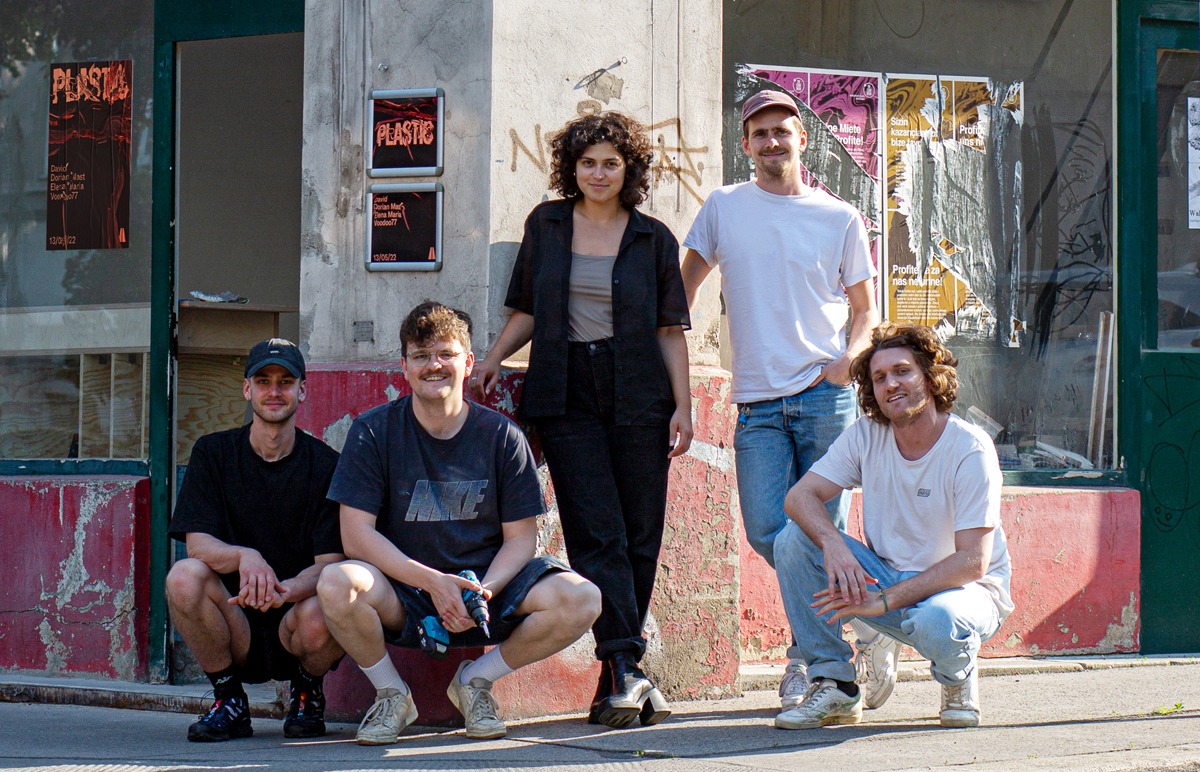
596	287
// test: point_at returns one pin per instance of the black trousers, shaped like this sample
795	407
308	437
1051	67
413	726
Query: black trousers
611	486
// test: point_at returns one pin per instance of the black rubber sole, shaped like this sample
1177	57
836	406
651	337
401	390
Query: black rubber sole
299	731
204	735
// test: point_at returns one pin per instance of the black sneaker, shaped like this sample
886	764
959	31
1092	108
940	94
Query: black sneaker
306	713
225	720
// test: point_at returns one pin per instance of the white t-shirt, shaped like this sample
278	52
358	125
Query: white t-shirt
911	509
785	261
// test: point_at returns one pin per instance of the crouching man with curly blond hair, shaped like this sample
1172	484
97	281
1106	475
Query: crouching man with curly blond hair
934	572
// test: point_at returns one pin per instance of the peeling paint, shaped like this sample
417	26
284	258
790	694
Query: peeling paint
707	453
335	434
56	651
73	575
392	393
1123	636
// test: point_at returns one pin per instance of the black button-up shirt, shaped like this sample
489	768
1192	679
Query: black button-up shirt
647	293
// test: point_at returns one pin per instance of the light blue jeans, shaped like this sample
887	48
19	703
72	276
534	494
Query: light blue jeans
947	628
775	443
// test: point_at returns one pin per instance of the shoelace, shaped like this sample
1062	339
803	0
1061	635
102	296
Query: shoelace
956	697
219	710
794	682
483	705
386	706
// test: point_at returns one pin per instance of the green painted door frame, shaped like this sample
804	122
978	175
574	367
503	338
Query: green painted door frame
176	22
1158	390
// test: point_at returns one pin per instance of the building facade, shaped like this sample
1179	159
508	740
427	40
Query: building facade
181	182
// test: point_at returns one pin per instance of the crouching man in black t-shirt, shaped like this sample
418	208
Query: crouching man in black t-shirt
258	528
431	485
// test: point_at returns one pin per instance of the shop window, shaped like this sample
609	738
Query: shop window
75	229
1178	200
977	140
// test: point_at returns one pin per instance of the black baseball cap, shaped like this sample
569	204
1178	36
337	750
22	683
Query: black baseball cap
276	351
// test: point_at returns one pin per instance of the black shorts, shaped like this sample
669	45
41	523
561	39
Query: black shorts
502	608
267	660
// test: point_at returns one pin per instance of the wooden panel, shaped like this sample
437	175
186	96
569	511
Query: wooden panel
209	328
95	384
209	399
39	406
127	406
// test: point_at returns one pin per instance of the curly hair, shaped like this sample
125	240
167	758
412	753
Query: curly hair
431	321
935	360
626	135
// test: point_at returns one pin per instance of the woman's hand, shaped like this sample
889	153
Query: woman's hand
679	432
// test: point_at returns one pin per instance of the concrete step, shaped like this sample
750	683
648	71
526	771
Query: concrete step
266	700
766	676
269	700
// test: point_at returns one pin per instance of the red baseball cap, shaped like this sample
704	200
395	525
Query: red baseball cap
768	98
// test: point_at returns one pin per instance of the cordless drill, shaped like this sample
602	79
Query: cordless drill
476	606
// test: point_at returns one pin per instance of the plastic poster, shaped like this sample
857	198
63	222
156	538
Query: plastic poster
88	172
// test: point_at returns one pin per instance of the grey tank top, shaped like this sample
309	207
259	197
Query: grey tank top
589	304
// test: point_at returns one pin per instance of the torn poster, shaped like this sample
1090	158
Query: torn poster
840	111
953	205
1193	161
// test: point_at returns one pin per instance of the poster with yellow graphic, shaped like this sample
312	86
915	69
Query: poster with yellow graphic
953	205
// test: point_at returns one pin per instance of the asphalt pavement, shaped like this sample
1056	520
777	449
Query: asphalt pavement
1087	714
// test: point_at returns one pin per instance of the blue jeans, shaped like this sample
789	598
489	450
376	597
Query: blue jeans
947	628
775	443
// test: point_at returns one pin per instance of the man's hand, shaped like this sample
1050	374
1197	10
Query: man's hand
484	377
837	372
259	587
446	592
847	579
826	602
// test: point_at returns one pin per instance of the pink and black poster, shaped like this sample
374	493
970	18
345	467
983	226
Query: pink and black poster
87	193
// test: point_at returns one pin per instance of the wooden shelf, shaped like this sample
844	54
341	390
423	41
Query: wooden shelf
226	328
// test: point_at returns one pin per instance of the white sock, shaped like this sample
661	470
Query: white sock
383	675
489	667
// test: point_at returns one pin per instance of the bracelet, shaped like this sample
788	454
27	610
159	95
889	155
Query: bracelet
883	595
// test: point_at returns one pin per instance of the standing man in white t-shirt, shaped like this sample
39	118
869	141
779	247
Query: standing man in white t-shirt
934	572
796	272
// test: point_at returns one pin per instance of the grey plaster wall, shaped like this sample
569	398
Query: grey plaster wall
513	71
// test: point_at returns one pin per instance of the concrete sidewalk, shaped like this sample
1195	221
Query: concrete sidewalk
1078	714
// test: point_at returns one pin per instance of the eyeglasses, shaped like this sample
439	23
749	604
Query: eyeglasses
422	358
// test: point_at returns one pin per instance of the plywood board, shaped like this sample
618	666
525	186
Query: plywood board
209	399
39	406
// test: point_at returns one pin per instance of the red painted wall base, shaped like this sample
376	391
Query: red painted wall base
73	591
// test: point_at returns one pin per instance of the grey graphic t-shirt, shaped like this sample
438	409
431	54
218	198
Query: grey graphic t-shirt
440	501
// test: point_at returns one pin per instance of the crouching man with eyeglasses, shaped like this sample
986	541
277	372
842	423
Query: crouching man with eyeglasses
934	573
431	485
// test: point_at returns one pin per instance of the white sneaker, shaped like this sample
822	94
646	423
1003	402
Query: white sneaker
960	704
823	704
875	668
477	705
794	684
387	718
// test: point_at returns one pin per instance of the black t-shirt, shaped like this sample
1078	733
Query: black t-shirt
276	507
441	502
